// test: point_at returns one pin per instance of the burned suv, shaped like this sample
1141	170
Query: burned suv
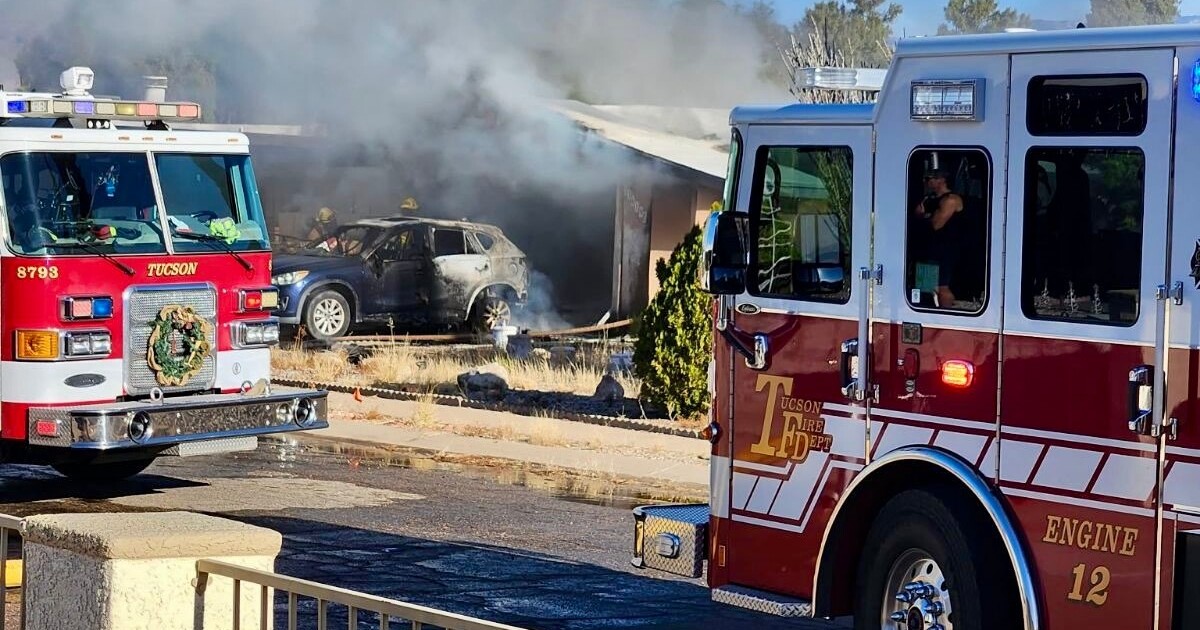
414	273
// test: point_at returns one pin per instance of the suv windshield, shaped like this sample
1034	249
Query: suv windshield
77	200
211	195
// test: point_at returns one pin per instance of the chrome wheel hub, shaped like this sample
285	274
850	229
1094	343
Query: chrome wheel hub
497	313
328	317
916	597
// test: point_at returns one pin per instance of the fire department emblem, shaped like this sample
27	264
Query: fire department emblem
178	345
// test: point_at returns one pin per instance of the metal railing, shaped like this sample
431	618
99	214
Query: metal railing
10	525
387	611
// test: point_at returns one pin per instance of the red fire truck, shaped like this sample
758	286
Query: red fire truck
135	287
958	355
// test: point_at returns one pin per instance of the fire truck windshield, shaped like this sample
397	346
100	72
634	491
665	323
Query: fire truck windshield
56	200
211	195
94	202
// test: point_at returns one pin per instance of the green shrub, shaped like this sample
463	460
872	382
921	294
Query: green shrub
674	343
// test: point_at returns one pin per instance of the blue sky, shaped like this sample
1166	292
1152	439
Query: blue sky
921	17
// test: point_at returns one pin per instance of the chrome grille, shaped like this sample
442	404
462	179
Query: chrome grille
141	307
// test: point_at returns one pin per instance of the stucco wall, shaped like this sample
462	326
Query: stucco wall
138	571
677	207
69	591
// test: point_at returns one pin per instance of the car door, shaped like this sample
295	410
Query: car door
797	438
459	269
398	265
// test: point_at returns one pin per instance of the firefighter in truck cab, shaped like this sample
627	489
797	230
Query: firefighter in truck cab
956	375
135	284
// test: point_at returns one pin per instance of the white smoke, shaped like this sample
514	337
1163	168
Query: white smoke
450	93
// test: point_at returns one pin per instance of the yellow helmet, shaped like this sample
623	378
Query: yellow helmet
325	215
409	204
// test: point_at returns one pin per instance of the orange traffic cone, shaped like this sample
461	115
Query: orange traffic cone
357	395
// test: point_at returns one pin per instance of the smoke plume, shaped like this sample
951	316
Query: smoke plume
443	101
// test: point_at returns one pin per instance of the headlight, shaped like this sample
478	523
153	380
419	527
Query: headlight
291	277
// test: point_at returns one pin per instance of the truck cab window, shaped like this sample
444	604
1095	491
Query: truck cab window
1096	105
1082	242
948	204
801	215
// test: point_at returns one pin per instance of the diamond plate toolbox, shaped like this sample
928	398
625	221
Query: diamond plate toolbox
671	538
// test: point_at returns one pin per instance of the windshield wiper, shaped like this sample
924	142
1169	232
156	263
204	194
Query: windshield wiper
92	249
218	242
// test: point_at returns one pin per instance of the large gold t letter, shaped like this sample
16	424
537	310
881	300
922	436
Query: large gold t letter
773	384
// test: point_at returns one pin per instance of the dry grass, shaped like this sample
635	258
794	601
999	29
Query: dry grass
437	370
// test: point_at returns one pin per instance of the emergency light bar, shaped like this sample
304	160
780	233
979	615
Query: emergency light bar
824	78
75	102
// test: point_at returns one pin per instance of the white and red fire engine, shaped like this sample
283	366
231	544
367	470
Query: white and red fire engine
135	287
958	355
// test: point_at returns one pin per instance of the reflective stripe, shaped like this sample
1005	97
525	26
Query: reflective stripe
1067	468
235	367
718	486
45	383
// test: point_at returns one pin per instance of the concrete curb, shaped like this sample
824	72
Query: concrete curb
459	401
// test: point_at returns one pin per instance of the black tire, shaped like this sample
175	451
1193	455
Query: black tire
327	315
934	523
488	311
108	471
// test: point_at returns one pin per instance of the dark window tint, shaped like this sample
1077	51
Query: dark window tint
946	246
1082	247
802	213
485	241
448	243
1098	105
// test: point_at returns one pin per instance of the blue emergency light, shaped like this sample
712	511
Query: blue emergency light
1196	80
102	307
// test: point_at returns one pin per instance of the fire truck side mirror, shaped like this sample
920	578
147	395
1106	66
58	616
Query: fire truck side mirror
723	262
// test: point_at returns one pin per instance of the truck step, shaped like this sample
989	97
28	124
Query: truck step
762	601
213	447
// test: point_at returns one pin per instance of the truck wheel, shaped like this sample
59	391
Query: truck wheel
327	315
489	311
108	471
919	570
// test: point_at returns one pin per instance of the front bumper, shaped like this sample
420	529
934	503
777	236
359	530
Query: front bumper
177	420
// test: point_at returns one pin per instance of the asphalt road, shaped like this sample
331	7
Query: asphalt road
534	549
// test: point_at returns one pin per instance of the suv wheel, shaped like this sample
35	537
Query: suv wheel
489	312
327	315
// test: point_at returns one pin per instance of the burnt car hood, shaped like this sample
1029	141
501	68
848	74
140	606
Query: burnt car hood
297	262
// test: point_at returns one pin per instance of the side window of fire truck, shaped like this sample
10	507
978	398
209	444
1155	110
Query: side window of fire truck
946	245
1094	105
800	218
1082	241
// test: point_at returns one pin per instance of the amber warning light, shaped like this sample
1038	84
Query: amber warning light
958	373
